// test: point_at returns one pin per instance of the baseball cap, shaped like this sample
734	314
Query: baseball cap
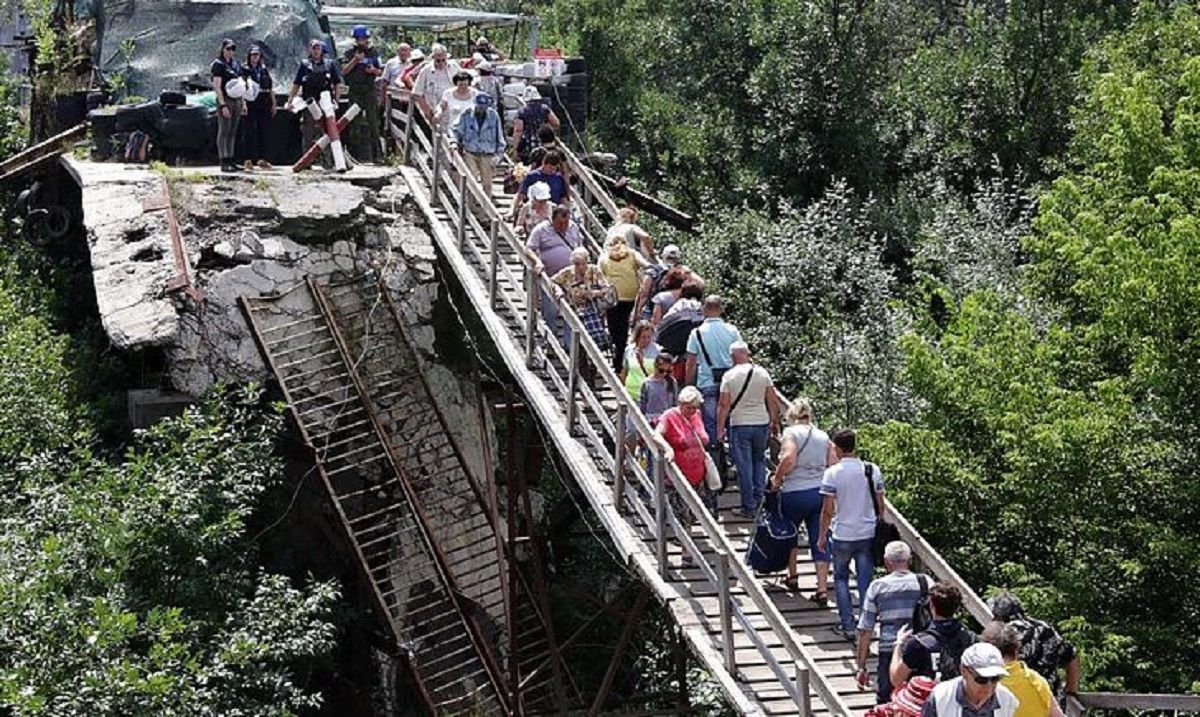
228	44
484	100
255	50
985	660
416	54
531	94
672	252
360	31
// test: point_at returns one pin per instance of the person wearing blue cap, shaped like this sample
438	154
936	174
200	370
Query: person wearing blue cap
480	138
361	66
257	111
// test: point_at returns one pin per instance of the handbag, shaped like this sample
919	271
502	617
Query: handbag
712	476
607	298
885	532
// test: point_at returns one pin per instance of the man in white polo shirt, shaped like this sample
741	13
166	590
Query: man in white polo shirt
853	495
750	406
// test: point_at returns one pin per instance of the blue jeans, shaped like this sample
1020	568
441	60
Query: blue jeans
708	412
748	444
883	678
551	314
804	506
843	552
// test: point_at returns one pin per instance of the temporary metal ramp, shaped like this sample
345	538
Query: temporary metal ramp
421	526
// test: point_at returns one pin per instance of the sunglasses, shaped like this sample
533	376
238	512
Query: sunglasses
980	680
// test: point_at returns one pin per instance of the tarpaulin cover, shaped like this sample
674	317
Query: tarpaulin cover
175	41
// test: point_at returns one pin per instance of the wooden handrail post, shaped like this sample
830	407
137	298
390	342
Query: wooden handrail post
619	455
726	611
437	161
532	305
410	117
803	699
573	369
462	212
660	512
494	242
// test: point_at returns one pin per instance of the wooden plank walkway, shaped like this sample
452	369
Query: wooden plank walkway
771	631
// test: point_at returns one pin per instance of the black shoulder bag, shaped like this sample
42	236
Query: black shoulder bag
885	532
717	373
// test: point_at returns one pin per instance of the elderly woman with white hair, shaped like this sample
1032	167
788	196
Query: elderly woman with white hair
804	454
588	292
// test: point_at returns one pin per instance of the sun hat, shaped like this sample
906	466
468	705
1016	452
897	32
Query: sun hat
539	191
912	695
416	55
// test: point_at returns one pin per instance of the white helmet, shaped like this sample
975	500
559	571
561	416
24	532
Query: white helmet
252	90
235	89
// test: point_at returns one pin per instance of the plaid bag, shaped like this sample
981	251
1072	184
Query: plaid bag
595	326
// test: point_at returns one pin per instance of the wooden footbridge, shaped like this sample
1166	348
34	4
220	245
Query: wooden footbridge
467	608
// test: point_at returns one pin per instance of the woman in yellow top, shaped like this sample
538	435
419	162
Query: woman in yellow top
623	267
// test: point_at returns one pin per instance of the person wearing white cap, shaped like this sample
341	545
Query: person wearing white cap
977	691
749	405
669	257
392	69
408	76
537	209
488	83
529	119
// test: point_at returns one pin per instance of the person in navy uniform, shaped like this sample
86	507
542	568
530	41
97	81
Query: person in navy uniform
316	74
257	112
224	70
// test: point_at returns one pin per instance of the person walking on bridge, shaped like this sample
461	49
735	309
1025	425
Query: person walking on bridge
1042	647
585	288
682	437
749	406
1031	689
480	138
708	359
976	691
937	650
623	267
849	488
549	248
804	453
434	79
890	602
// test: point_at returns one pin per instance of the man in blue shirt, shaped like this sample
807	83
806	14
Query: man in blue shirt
480	138
708	358
548	173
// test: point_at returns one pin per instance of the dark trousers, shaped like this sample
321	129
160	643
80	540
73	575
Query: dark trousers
883	678
254	131
618	330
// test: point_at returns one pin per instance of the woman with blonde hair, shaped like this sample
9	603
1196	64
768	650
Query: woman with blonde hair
623	267
805	452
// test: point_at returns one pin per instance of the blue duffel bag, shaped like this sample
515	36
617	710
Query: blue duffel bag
774	538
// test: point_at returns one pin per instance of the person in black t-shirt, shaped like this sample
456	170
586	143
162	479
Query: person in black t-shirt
225	69
316	74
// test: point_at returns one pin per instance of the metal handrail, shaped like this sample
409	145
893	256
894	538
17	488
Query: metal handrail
802	673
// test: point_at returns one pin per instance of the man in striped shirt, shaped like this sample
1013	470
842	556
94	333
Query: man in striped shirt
889	601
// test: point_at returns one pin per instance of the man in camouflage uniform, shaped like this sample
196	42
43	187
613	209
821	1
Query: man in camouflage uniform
1043	649
361	65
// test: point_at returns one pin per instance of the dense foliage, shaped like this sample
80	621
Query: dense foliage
971	227
129	585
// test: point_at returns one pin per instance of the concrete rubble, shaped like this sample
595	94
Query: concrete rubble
252	234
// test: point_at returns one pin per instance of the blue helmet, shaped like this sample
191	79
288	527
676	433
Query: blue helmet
359	32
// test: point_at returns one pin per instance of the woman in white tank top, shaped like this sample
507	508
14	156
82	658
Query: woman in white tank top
805	453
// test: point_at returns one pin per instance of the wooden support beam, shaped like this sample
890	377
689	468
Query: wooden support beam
635	614
641	200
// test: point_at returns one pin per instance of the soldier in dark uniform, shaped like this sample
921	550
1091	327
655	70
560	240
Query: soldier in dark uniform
316	74
361	65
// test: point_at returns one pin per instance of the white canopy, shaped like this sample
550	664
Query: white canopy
439	19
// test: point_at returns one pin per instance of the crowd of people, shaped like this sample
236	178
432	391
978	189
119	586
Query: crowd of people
463	98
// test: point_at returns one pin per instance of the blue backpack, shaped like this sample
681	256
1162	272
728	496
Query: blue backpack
774	538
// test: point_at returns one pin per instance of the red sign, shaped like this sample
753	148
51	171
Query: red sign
547	53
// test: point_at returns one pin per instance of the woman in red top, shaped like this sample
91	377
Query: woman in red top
681	434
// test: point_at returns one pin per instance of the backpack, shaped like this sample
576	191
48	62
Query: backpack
137	147
922	615
946	656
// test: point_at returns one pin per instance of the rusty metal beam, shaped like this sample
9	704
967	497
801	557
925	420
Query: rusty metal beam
635	614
